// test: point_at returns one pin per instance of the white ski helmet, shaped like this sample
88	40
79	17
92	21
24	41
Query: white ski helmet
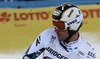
67	16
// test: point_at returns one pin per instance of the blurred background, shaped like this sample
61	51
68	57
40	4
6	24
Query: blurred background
21	21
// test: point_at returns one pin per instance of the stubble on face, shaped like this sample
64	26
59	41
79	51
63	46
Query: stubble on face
62	35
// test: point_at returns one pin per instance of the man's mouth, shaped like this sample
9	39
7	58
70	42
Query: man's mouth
58	34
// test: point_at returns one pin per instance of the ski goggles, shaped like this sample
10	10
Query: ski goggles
59	25
63	25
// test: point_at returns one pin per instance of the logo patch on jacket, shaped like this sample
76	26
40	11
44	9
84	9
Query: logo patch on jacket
55	53
52	39
91	54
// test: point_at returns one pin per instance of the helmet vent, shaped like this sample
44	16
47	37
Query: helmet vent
70	13
63	5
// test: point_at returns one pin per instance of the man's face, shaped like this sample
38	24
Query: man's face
62	35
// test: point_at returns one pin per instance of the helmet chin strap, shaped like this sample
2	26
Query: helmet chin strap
71	33
68	38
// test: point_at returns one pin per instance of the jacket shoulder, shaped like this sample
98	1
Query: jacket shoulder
86	51
47	31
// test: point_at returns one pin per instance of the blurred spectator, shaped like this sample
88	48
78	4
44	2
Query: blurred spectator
37	0
97	3
19	7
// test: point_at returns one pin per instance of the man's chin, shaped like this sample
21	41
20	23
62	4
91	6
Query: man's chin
60	40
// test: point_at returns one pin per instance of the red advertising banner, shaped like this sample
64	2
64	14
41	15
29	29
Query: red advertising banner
20	27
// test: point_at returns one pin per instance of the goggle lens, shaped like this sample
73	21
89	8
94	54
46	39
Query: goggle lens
59	25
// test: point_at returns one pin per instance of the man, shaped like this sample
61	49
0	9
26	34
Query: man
64	41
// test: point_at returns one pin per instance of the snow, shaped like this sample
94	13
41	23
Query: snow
92	38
